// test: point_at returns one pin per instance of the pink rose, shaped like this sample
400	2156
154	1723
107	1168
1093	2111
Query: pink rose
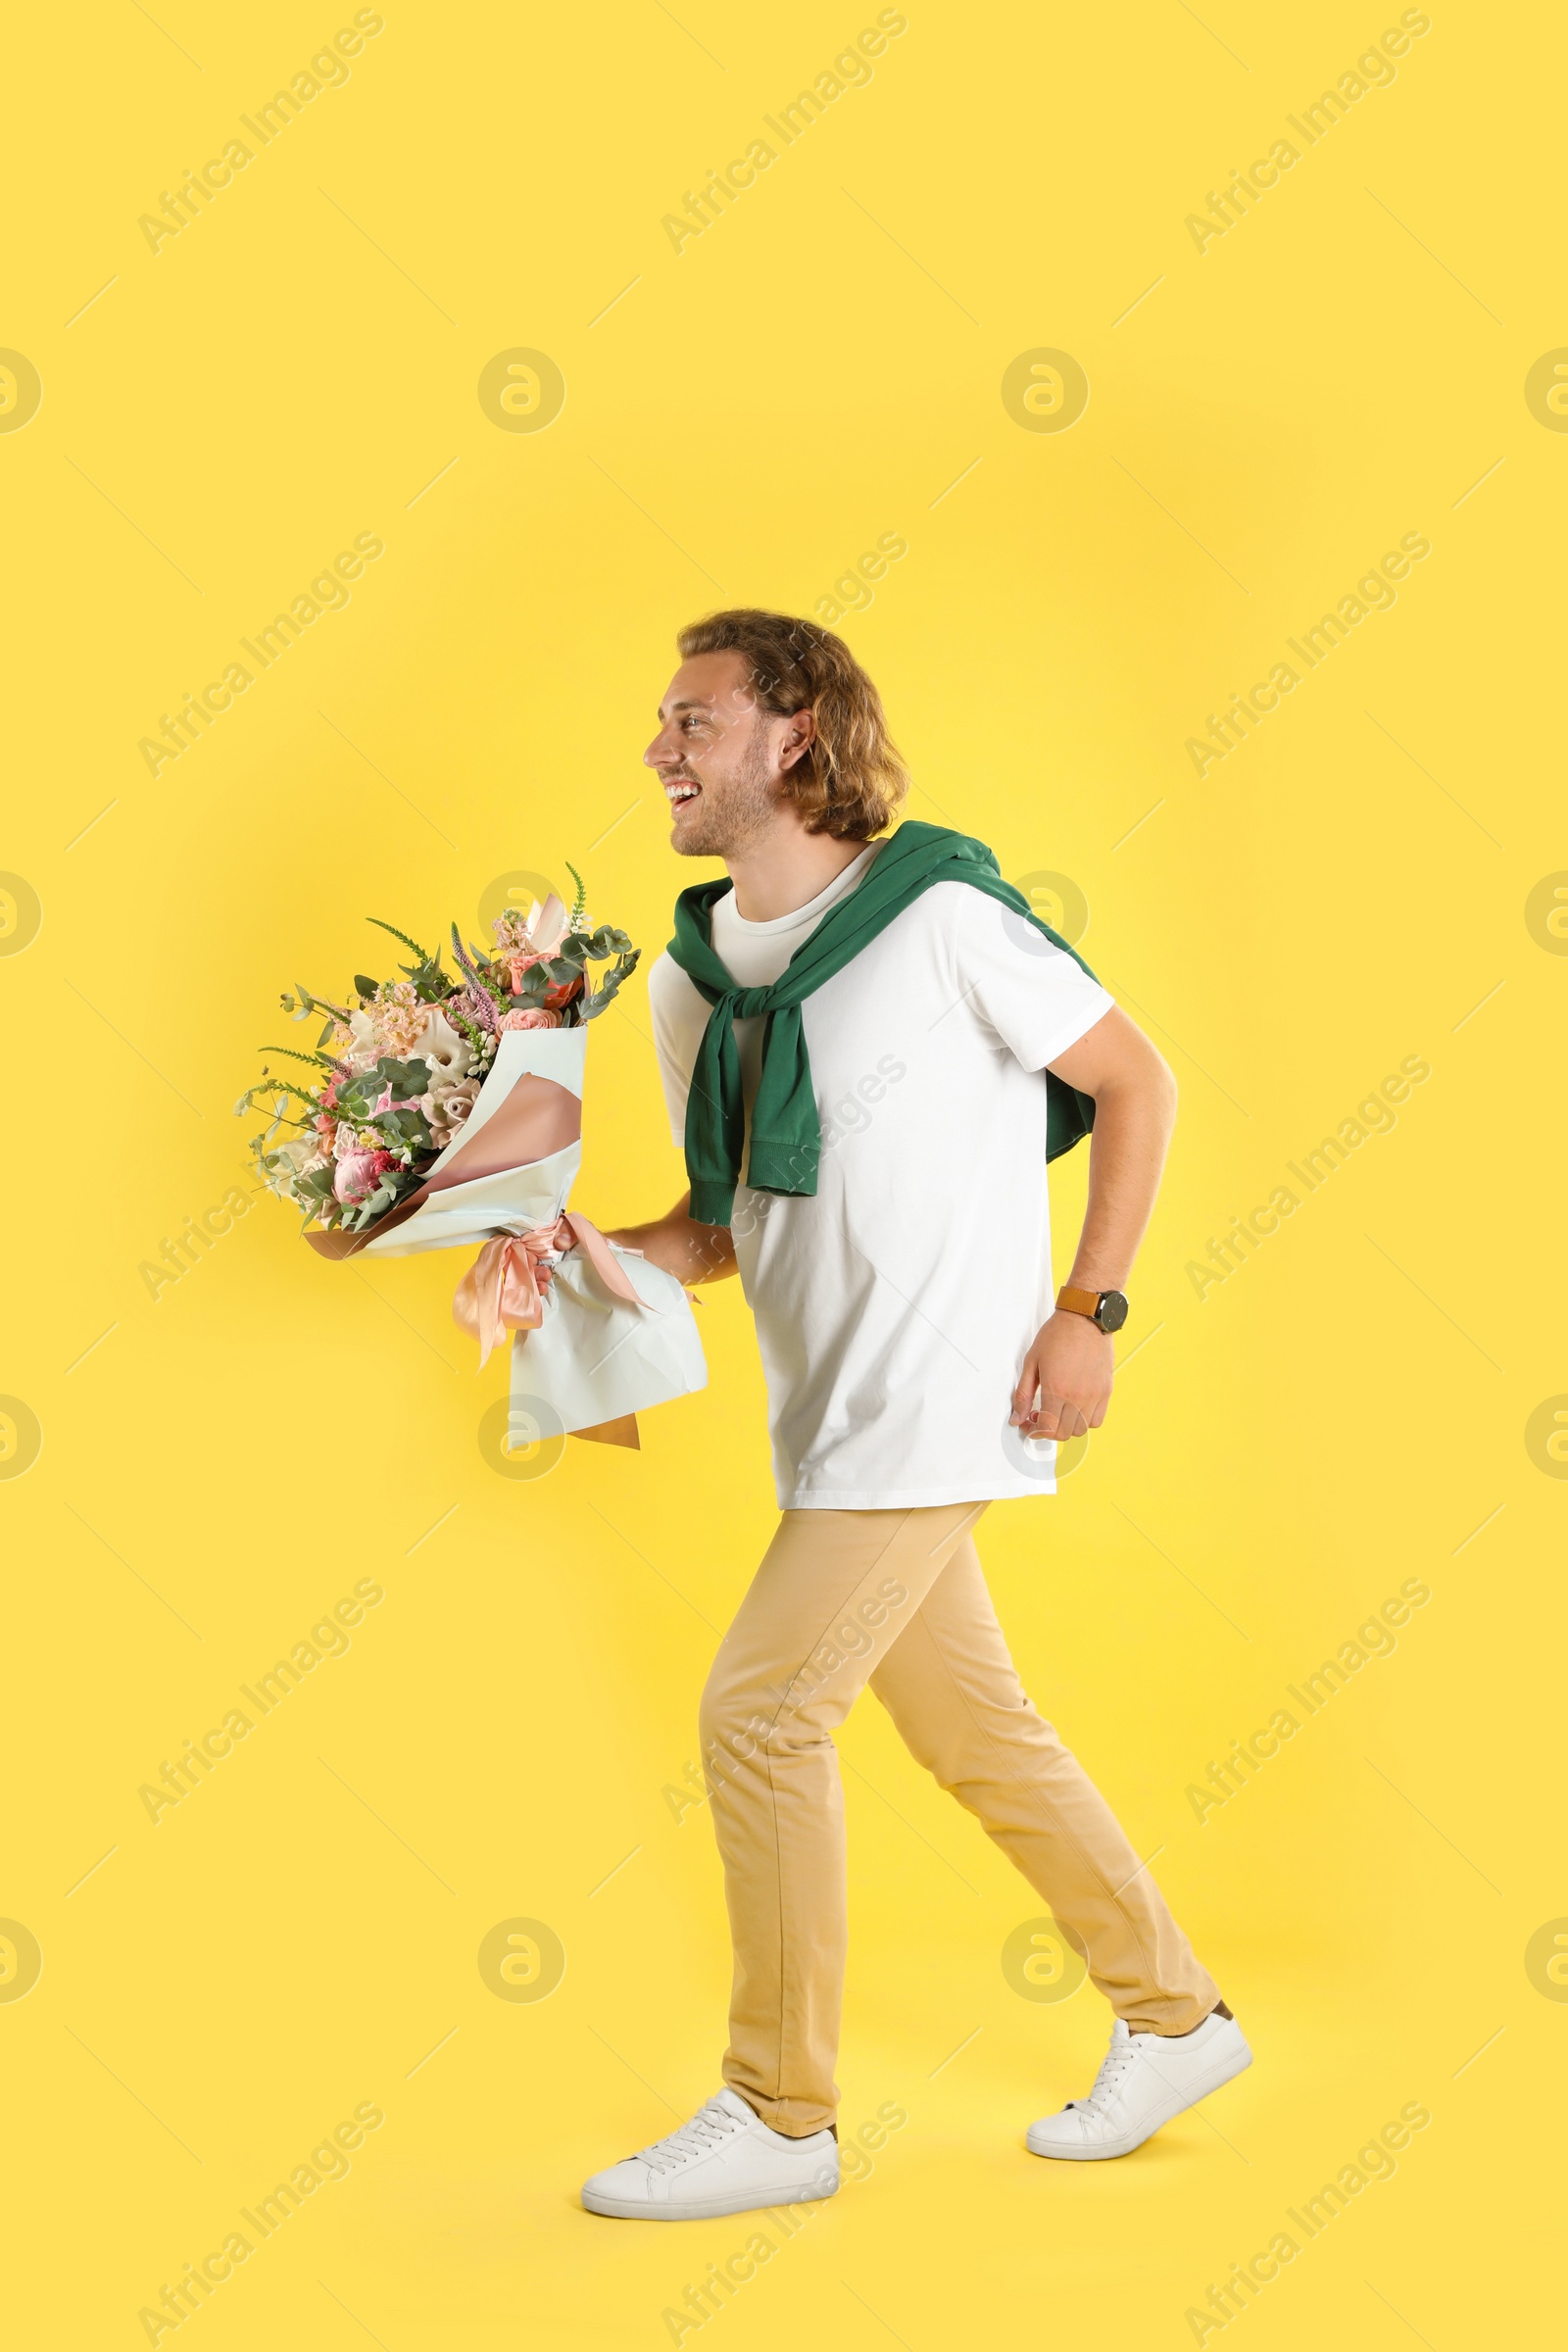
533	1017
357	1173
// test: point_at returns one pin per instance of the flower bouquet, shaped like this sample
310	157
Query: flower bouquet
441	1110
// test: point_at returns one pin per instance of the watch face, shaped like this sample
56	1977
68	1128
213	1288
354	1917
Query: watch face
1113	1311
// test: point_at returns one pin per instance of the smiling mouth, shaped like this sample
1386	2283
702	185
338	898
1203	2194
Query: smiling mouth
680	790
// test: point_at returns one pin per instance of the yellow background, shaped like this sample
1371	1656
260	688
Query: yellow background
221	1463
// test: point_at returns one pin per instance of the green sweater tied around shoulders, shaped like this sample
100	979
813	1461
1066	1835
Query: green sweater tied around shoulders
786	1134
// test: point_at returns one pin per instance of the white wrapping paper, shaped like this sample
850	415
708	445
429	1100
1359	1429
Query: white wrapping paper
594	1357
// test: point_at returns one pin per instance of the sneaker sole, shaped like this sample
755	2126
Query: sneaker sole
1215	2081
623	2209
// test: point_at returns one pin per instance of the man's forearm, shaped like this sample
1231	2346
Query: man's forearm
1064	1386
1133	1121
691	1251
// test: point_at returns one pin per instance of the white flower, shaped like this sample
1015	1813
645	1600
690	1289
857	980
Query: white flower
364	1049
347	1139
448	1055
287	1163
299	1151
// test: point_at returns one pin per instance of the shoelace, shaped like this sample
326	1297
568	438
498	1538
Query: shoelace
708	2126
1121	2054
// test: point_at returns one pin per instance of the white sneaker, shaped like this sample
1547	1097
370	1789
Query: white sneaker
1146	2079
725	2160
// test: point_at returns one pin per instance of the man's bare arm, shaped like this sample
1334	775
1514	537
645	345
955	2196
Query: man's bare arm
676	1242
1064	1387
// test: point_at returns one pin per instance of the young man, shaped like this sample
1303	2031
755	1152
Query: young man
897	1095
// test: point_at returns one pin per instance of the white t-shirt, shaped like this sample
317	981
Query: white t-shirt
895	1307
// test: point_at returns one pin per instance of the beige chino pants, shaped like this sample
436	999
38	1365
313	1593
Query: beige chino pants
895	1599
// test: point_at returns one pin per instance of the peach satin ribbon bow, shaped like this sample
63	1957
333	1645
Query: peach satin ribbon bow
503	1288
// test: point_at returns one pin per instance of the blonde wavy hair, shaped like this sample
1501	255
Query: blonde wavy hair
852	777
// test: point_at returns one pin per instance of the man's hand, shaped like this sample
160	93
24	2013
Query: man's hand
1064	1386
692	1253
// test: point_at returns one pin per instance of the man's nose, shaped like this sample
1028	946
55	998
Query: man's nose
660	753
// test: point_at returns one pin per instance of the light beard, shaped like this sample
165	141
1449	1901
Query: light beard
728	818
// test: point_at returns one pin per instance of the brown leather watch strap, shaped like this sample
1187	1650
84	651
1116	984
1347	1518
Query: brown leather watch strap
1078	1302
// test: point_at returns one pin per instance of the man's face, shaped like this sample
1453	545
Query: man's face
719	755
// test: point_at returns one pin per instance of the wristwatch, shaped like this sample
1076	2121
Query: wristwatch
1106	1308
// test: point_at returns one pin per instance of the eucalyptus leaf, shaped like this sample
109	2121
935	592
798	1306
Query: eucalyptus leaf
610	987
532	988
405	1128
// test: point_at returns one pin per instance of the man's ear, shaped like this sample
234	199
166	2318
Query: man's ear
800	733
